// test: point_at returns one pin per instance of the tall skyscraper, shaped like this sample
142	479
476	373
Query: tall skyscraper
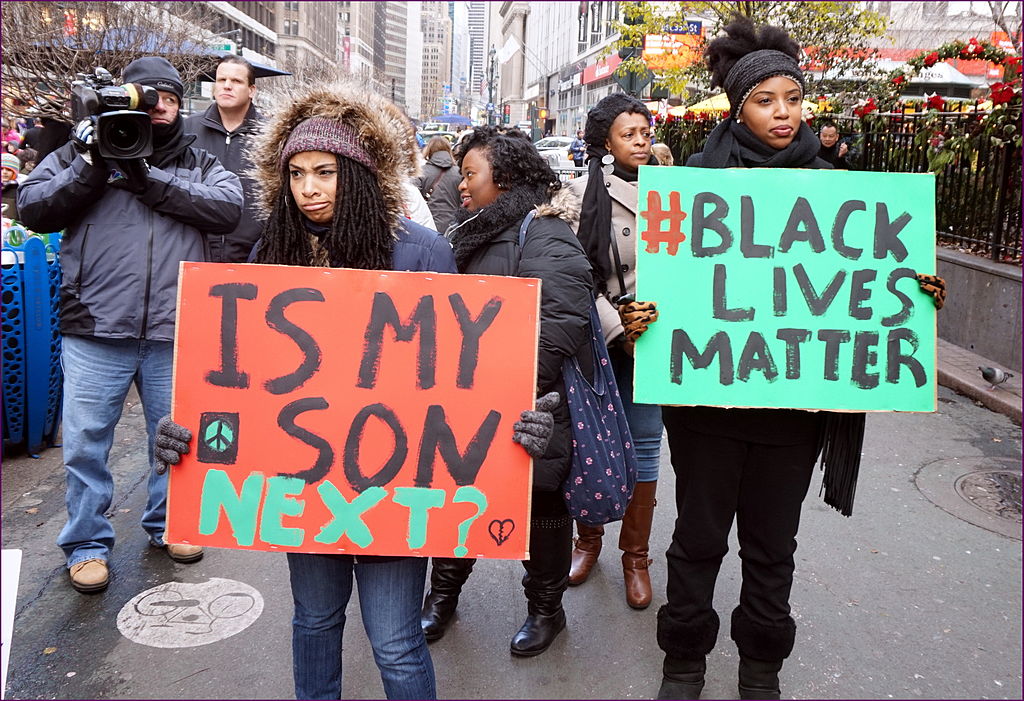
478	50
437	49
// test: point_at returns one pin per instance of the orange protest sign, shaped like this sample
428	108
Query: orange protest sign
353	411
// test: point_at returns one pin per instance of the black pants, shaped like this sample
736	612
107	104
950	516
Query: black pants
763	486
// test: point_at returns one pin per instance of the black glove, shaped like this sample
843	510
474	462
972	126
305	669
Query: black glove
533	430
171	443
83	136
132	175
935	286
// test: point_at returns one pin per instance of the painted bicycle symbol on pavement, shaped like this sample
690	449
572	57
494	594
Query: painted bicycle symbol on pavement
180	614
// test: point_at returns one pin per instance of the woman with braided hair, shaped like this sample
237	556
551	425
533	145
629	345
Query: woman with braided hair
604	206
330	164
754	465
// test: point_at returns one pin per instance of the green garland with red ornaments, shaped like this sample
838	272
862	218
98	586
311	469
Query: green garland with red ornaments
1006	92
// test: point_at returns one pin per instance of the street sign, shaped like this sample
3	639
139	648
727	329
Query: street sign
490	106
690	27
634	83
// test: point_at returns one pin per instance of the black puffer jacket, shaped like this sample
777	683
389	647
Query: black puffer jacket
232	150
552	253
444	199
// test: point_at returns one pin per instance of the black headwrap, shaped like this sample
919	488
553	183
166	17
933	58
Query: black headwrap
755	68
596	214
732	144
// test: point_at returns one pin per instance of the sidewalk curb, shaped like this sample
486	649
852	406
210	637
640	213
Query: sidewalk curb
958	370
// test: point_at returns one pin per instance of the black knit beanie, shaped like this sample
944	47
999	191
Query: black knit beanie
156	72
755	68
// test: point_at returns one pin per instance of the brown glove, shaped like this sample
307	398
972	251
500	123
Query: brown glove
636	317
935	286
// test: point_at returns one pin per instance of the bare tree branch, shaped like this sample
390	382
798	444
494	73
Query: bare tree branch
46	45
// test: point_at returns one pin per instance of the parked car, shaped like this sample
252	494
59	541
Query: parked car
425	134
555	149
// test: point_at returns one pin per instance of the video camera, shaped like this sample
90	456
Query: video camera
122	126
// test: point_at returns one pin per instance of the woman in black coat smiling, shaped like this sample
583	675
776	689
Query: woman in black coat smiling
503	180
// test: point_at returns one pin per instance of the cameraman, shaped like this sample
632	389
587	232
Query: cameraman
128	224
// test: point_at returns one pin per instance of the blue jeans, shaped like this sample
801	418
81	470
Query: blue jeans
644	419
97	376
390	597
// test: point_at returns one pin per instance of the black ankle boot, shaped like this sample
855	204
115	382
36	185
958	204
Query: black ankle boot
759	679
683	679
537	633
447	576
547	577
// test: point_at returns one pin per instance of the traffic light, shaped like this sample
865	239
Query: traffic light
506	114
543	114
631	20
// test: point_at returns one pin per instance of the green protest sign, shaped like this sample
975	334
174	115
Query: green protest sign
786	288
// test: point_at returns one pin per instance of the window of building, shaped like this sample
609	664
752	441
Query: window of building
581	38
612	15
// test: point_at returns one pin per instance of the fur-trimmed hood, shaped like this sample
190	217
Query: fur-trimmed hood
555	209
383	131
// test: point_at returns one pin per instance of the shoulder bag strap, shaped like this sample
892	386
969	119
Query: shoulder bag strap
430	190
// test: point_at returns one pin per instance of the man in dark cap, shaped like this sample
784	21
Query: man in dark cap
127	226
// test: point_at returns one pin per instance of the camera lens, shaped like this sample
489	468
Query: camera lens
123	136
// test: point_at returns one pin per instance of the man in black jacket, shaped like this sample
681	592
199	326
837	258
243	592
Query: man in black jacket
127	227
832	150
226	130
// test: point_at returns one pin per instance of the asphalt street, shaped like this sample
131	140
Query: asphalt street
918	595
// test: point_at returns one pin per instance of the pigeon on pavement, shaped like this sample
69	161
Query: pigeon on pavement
995	376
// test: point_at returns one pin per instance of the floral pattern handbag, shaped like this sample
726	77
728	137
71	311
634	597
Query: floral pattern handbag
603	470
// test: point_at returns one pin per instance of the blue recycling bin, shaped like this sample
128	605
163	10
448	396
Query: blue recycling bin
30	358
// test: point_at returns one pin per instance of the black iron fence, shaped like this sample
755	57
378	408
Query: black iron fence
977	166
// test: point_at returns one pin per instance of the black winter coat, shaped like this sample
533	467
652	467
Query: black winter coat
231	149
552	253
444	199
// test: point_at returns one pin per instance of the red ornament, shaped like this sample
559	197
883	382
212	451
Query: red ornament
1001	93
899	80
867	108
936	102
931	59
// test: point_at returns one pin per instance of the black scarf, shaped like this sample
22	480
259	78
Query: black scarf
474	229
595	232
732	145
168	141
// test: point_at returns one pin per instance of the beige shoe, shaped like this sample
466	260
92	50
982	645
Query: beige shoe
184	553
90	576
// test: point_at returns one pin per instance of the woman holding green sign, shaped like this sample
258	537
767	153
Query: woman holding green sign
751	464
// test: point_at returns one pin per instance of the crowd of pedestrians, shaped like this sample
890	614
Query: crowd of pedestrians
331	176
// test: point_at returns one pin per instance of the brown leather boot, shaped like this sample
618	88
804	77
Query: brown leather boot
634	541
584	555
